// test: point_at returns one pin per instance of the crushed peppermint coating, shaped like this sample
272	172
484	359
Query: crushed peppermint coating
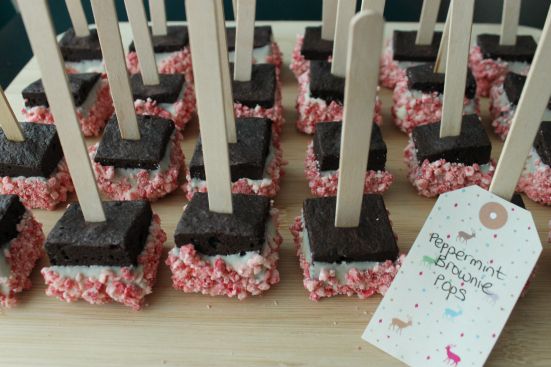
97	284
233	275
314	48
136	183
535	180
18	258
92	113
175	62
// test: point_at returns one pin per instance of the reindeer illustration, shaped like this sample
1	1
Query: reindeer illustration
428	261
452	314
399	325
464	236
452	358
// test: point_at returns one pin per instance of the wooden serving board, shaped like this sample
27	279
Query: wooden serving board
281	328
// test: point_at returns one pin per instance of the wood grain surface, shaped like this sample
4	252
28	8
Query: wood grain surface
281	328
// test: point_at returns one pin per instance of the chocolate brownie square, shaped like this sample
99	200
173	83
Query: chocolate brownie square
522	51
167	91
513	85
76	49
372	240
224	234
470	147
314	47
37	156
11	212
405	49
80	85
176	39
116	242
262	37
423	78
260	90
327	147
542	143
146	153
325	85
247	156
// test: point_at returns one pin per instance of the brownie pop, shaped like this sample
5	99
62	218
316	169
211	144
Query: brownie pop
256	87
411	48
254	148
529	137
79	45
21	245
226	245
138	156
31	161
170	45
346	244
494	55
99	252
454	152
166	95
321	88
92	99
317	42
504	99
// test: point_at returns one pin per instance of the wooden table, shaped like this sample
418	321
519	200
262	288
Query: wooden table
281	328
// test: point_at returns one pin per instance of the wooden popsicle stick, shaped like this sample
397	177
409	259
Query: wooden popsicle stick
115	64
328	19
362	73
244	40
8	121
78	18
527	119
38	22
456	66
203	24
375	5
226	76
440	63
429	15
345	11
158	17
142	40
509	22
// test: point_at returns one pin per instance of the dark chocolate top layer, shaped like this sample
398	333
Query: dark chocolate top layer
542	143
327	147
314	47
11	212
405	49
224	234
75	48
80	85
325	85
37	156
524	49
247	156
167	91
260	90
116	242
262	36
423	78
145	153
372	240
471	146
175	39
513	85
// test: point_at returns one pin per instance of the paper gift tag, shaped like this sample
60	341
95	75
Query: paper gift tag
459	283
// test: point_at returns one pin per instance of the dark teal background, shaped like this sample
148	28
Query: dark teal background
16	52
